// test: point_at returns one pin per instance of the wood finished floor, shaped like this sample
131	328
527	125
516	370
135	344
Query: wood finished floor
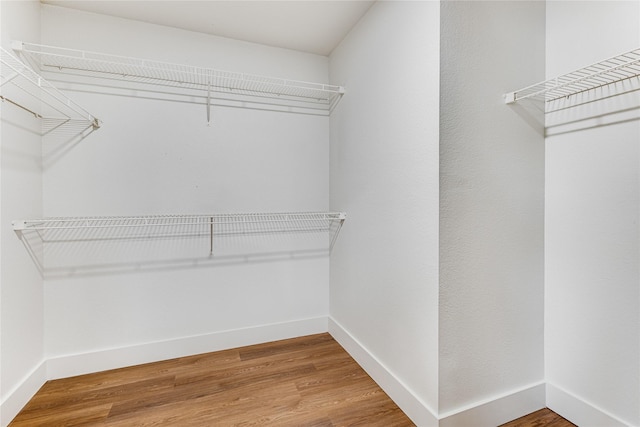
307	381
542	418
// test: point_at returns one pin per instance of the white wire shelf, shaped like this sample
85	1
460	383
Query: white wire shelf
314	98
43	100
610	71
77	229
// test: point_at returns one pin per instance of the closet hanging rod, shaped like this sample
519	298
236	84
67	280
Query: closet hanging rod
18	74
36	115
178	74
613	70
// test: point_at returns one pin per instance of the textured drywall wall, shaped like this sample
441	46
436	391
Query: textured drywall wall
491	203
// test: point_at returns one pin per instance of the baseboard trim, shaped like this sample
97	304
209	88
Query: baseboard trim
491	412
578	411
411	405
19	396
79	364
498	410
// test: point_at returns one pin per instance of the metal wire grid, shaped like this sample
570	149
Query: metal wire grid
65	229
14	71
607	72
182	75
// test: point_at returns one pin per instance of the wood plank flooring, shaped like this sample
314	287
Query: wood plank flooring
542	418
307	381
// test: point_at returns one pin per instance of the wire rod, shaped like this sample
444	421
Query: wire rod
613	70
248	219
36	115
83	229
178	75
15	72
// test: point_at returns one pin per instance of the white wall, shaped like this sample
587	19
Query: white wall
436	283
491	213
592	296
384	174
21	292
155	156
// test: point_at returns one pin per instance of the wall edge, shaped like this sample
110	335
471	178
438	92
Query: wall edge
417	410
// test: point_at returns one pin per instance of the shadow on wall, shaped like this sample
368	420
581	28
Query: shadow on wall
60	137
531	112
82	254
603	106
100	258
607	105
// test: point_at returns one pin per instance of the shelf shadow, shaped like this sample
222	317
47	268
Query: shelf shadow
60	137
86	256
532	112
179	264
594	122
184	93
604	106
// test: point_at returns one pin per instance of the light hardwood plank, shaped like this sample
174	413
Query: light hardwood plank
306	381
542	418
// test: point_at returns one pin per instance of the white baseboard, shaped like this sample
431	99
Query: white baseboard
578	411
79	364
19	396
410	404
487	413
498	410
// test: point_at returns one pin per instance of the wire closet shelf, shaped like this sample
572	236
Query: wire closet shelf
152	226
41	95
317	97
613	70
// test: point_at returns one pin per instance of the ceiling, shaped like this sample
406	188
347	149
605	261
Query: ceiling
314	26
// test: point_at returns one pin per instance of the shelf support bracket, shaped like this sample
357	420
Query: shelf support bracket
209	103
211	236
19	225
509	98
